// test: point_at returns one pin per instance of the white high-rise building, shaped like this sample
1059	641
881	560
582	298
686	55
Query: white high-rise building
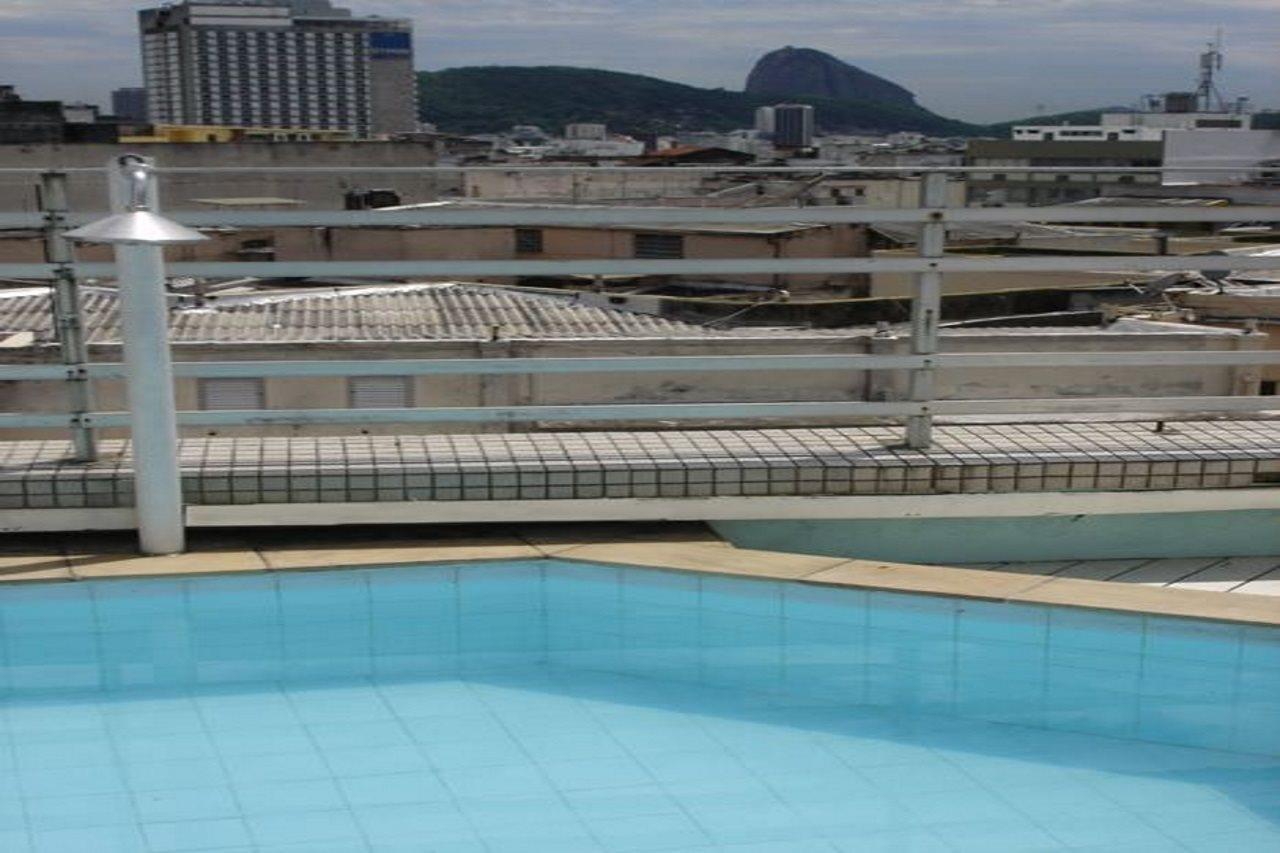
765	121
278	63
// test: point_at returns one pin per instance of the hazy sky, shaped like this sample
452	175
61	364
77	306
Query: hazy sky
972	59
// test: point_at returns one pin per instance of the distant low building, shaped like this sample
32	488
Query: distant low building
1003	185
1251	154
50	122
29	122
197	133
696	155
586	130
130	104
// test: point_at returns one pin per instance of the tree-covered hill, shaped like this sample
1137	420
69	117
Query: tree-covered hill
489	99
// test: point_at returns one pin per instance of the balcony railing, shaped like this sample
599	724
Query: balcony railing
929	266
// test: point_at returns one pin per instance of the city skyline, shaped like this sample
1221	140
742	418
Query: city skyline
979	60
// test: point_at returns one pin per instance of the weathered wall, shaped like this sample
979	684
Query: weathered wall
998	383
534	183
325	190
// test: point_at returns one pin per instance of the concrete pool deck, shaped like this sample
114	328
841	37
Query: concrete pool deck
29	558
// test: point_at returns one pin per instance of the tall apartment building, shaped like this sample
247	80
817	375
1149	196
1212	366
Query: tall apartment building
278	63
793	126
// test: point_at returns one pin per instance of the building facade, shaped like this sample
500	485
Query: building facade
129	104
1001	187
793	126
278	63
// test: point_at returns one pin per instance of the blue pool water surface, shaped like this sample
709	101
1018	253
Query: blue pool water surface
553	706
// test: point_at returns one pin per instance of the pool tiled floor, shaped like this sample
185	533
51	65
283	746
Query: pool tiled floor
565	761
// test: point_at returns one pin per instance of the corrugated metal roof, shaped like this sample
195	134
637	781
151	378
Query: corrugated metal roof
1140	201
413	312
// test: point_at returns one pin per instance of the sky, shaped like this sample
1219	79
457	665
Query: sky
979	60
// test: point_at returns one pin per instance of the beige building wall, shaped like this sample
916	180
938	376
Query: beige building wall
565	244
882	192
323	190
902	284
533	183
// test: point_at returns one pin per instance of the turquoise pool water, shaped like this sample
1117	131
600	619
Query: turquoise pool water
551	706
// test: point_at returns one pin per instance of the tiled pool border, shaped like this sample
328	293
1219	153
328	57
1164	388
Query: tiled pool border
688	549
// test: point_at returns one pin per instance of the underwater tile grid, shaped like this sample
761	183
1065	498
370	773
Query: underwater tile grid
550	705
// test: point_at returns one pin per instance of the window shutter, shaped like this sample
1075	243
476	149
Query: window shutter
380	392
231	394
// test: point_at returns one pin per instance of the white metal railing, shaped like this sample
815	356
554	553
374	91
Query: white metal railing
929	265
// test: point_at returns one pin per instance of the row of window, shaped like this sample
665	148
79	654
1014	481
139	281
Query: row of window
652	246
363	392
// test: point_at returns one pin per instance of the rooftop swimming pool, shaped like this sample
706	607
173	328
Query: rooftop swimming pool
559	706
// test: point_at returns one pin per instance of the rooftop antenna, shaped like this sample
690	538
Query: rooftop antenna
1207	94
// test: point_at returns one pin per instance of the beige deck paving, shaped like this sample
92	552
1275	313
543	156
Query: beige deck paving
116	556
49	565
399	551
703	557
1045	567
1268	584
1099	570
1167	571
903	577
1226	575
1138	598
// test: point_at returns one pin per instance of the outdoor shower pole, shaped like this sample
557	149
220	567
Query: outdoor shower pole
140	277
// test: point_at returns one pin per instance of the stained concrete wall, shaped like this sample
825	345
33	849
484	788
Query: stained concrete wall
325	191
533	183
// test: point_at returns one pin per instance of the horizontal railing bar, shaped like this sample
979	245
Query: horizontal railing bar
547	366
718	363
632	216
828	168
539	167
688	266
701	215
42	420
667	411
654	364
49	372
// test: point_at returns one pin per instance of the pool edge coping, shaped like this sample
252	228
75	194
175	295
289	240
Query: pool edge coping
693	555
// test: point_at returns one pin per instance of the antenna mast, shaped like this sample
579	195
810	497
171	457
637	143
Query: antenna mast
1207	95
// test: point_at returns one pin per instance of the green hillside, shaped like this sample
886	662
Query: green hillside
1005	128
489	99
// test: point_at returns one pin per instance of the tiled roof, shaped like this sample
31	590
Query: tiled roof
413	312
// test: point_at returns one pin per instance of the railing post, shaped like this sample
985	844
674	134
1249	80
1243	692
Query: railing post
927	305
140	276
67	316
